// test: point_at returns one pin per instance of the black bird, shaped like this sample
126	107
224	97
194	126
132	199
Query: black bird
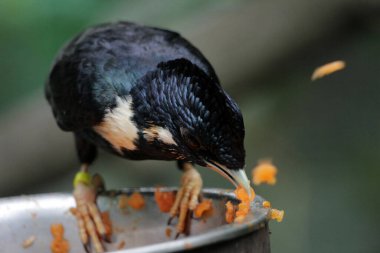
144	93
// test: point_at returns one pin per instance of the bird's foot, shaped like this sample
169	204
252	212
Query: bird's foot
91	225
186	199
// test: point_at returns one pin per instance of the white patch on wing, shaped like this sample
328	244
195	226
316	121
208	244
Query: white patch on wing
117	126
159	133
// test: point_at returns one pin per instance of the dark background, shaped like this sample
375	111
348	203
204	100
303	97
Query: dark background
324	136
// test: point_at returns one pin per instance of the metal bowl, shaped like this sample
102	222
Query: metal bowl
143	230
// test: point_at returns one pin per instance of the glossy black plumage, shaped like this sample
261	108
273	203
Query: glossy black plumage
110	57
172	86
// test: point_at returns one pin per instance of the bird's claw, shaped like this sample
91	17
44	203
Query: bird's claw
87	247
186	200
90	223
170	220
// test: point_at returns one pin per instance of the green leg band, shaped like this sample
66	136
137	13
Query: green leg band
82	177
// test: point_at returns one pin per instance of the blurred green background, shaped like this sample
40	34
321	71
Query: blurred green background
324	136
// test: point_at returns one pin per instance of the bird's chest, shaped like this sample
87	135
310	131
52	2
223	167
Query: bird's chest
118	128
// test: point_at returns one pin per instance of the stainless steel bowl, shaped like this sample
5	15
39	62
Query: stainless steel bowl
142	231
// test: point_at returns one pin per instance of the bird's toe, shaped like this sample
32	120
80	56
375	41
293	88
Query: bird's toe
90	223
186	200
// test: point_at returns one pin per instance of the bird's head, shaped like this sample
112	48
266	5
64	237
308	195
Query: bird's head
184	114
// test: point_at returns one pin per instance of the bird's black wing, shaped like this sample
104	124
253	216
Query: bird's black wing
106	61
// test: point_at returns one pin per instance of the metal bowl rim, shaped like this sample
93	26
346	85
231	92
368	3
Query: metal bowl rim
220	234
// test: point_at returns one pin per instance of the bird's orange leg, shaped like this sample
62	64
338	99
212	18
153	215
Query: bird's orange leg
87	213
186	198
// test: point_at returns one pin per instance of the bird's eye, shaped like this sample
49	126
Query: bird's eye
193	142
190	139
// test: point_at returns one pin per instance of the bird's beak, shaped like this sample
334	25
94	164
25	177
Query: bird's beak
236	177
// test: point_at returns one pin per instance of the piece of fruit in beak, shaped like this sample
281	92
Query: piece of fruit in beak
241	179
236	177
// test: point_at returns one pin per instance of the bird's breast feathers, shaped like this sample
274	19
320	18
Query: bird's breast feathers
119	129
